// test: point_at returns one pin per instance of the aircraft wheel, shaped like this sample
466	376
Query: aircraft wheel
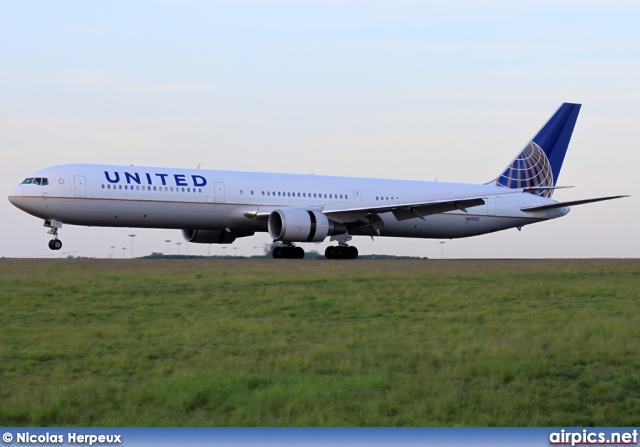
55	244
352	252
329	252
277	253
338	252
298	253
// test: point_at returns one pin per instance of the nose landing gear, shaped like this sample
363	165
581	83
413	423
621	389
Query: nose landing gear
55	243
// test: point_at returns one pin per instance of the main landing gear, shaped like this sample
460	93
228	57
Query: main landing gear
288	252
55	243
341	252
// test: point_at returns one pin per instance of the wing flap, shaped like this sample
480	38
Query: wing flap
419	208
411	212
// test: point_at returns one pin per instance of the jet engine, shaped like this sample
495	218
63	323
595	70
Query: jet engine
212	236
297	225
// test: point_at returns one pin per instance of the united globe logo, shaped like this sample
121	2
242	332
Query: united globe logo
530	168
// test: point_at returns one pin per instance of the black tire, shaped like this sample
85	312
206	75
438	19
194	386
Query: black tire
339	252
277	253
352	252
329	252
51	247
55	244
298	253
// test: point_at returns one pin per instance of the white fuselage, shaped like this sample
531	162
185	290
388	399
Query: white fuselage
148	197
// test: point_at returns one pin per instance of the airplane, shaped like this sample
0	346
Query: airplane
217	207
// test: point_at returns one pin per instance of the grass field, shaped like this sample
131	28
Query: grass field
341	343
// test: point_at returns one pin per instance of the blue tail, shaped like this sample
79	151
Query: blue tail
539	163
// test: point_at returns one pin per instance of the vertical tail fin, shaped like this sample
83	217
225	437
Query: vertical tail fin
539	163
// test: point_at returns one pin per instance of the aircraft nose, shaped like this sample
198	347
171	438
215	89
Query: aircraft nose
16	196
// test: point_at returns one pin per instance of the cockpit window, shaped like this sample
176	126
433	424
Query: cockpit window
36	181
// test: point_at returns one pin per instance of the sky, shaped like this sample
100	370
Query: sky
406	89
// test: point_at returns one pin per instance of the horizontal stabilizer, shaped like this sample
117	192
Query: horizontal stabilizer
563	204
543	188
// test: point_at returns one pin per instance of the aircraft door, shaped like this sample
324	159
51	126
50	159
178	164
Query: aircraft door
493	206
220	193
80	189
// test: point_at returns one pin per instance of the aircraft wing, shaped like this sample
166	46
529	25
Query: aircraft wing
551	206
410	209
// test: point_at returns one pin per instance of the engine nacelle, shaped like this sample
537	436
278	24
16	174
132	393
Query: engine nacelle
297	225
212	236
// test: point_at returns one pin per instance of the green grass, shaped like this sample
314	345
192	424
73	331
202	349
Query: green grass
341	343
